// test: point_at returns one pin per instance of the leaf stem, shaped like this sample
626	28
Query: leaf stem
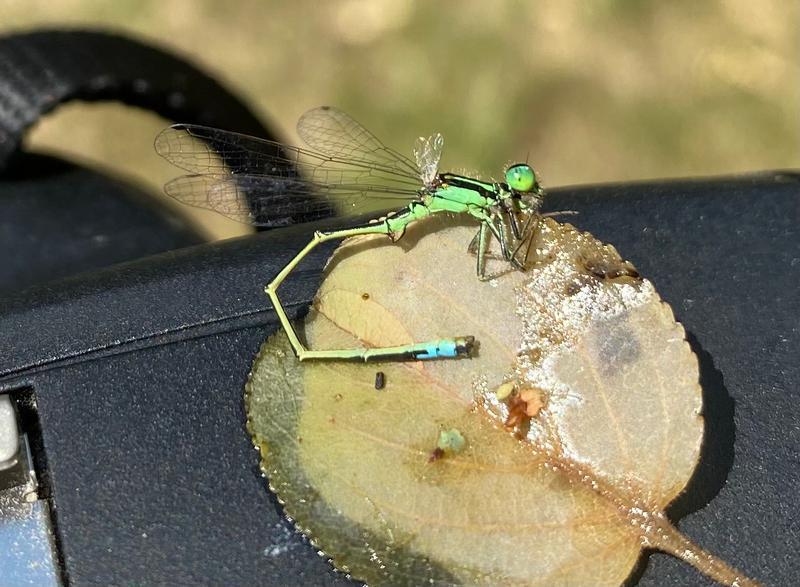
665	537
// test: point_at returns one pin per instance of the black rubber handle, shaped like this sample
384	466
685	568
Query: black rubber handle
43	69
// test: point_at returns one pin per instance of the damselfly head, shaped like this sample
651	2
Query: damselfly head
521	178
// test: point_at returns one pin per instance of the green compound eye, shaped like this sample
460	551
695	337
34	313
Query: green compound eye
521	177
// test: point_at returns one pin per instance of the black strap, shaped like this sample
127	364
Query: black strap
40	70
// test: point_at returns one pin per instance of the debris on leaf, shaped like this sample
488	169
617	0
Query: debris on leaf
451	441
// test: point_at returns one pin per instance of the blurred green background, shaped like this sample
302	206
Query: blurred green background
590	91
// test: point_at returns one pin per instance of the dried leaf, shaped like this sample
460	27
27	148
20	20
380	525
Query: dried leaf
547	459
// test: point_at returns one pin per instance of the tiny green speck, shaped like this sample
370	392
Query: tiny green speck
451	441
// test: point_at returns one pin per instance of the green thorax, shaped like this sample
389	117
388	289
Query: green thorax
456	193
452	193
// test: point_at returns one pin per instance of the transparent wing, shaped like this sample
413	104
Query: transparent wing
270	202
428	153
201	149
266	183
335	133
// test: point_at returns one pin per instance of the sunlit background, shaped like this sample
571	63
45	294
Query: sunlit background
589	91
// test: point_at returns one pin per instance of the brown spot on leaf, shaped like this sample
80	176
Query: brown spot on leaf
572	288
609	268
577	284
435	455
524	405
535	355
534	400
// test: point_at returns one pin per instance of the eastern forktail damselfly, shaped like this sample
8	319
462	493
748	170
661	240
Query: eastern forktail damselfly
265	183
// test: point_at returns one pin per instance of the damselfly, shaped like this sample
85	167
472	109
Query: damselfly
265	183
